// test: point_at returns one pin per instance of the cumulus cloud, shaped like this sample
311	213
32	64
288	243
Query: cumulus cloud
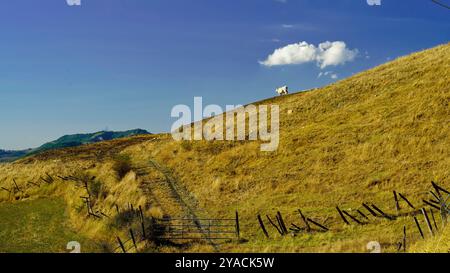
325	54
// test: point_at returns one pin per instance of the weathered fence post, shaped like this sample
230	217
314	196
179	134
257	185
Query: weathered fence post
143	230
342	216
362	214
283	226
276	227
121	245
382	212
435	196
5	189
438	188
317	224
431	205
237	225
427	220
404	238
132	238
397	205
262	226
308	227
17	187
406	200
353	218
369	210
297	228
434	220
418	227
141	214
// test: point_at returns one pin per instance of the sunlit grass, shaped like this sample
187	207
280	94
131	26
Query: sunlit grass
351	142
38	226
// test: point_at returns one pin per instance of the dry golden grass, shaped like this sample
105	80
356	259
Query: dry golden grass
351	142
357	140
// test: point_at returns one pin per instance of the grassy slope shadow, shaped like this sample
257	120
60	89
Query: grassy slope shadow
38	226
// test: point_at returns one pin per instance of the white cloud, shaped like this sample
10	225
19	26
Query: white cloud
297	26
292	54
325	54
328	73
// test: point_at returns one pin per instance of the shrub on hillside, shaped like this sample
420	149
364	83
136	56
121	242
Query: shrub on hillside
123	218
186	145
122	165
97	189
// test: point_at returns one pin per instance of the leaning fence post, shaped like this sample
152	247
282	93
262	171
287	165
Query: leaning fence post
431	205
406	200
382	213
369	209
404	238
317	224
342	216
397	205
121	245
362	214
280	230
434	219
427	220
308	227
353	218
283	226
141	214
143	230
435	197
439	189
132	238
237	225
262	226
17	187
418	227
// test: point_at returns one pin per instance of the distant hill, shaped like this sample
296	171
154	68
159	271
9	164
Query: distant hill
6	156
70	141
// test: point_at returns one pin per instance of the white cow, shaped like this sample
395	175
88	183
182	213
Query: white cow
282	90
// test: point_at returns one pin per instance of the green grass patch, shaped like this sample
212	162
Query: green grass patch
38	226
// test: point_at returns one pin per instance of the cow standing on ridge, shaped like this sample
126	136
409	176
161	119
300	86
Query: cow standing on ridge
282	90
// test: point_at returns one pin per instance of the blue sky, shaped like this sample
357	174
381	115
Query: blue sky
123	64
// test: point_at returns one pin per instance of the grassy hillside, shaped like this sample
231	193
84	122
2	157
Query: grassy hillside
38	226
357	140
351	142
